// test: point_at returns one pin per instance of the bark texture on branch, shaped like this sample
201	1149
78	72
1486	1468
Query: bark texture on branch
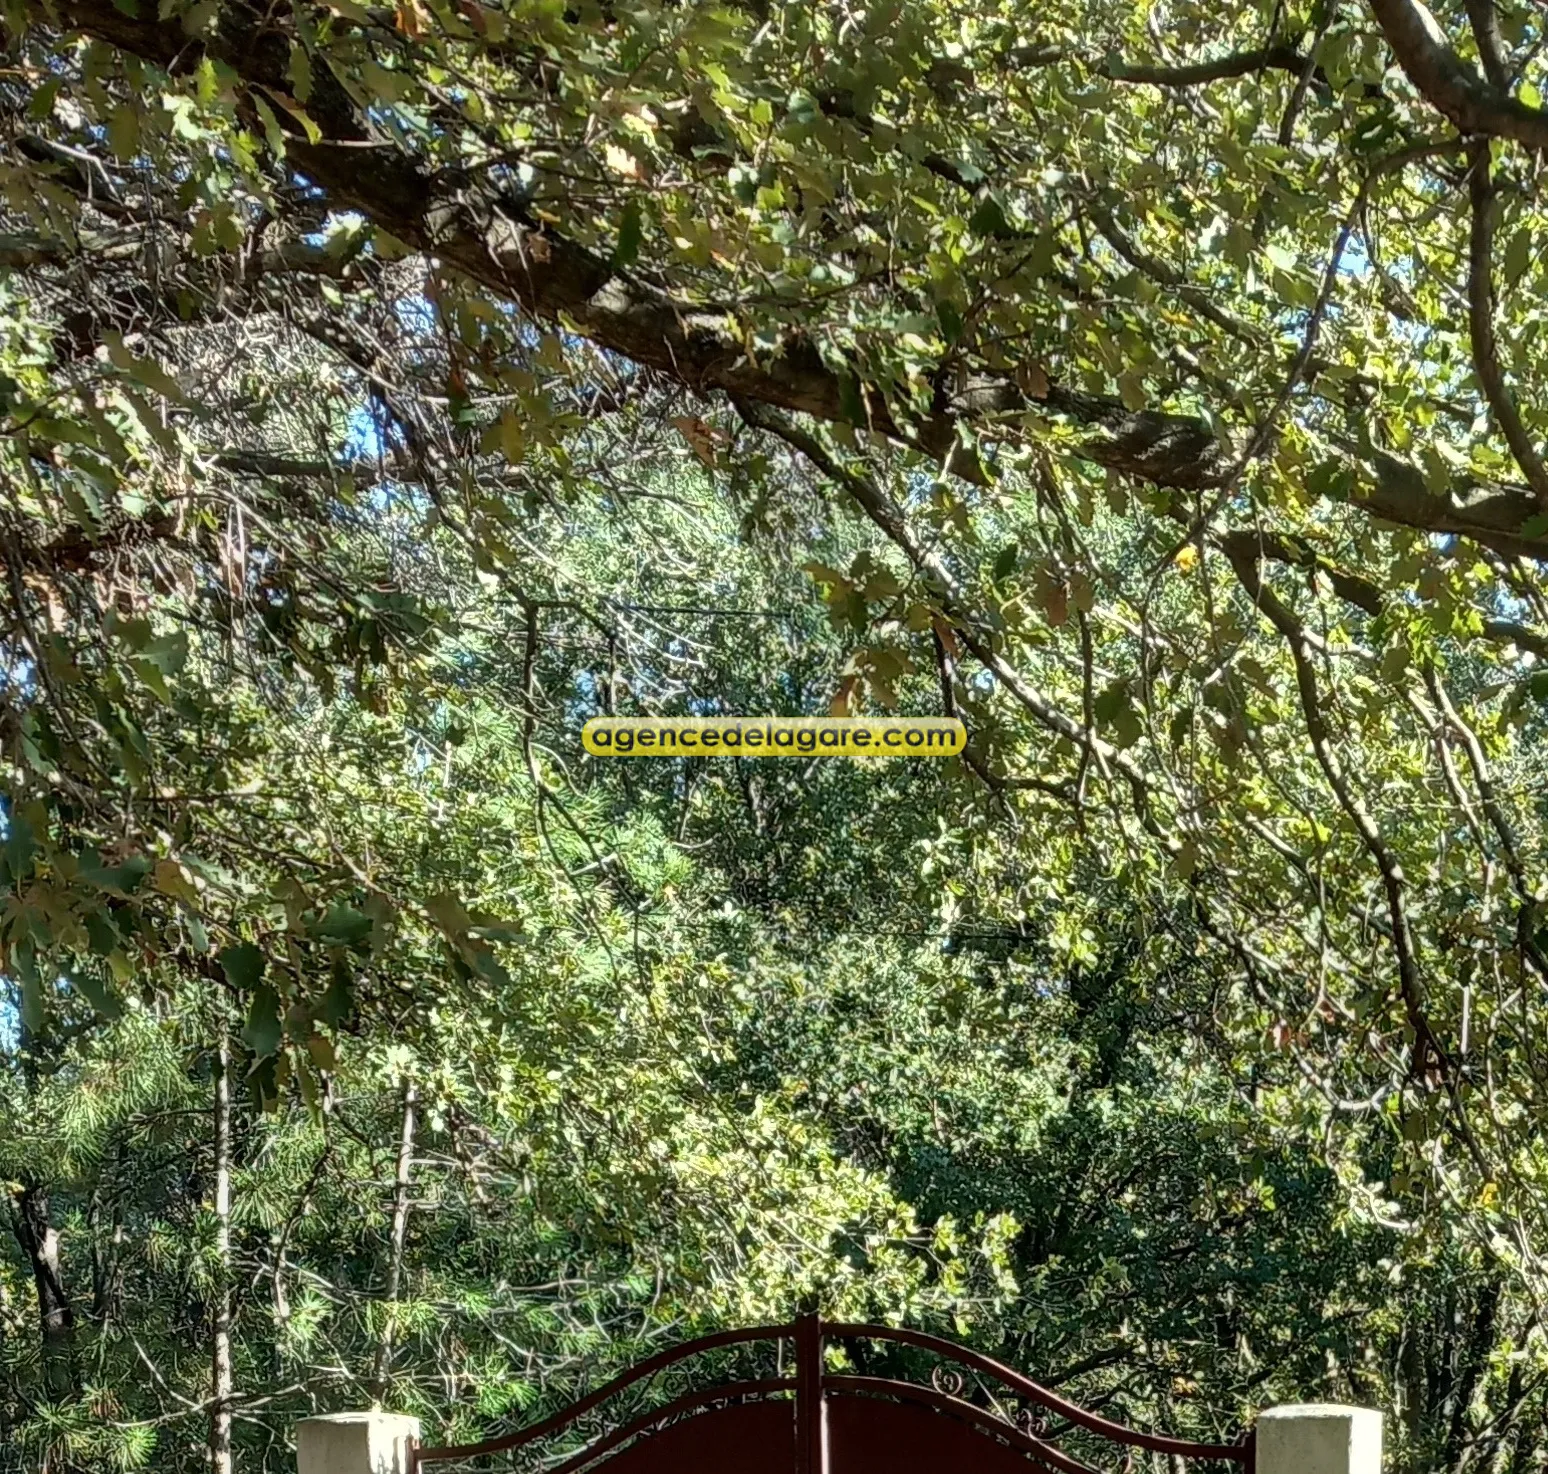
1451	85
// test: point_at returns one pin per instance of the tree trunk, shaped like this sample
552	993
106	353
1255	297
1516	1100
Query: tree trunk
1474	1358
220	1319
400	1211
107	1270
40	1243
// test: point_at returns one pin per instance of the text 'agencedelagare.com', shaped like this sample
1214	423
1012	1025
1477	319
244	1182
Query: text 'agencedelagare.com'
773	736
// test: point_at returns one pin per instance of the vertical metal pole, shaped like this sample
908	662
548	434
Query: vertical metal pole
811	1454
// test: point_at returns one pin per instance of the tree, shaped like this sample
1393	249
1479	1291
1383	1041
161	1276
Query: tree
1158	396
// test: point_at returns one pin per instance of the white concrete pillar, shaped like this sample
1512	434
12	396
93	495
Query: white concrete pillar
355	1443
1319	1438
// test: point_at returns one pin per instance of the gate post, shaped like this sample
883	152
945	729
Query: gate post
811	1407
1318	1438
356	1443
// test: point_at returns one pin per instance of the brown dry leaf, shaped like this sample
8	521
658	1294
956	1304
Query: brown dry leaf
843	701
411	19
474	15
1054	595
702	438
1033	380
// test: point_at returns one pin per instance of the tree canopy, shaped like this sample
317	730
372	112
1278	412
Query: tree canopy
384	391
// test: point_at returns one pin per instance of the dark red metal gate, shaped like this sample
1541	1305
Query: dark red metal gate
973	1416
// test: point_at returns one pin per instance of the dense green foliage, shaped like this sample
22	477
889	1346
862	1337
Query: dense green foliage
385	391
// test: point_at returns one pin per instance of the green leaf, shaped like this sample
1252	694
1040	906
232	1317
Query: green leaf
386	83
298	70
273	134
344	924
95	991
243	964
263	1031
101	934
950	320
631	230
143	370
41	104
19	848
168	653
338	1000
32	1003
1518	256
123	879
123	131
989	218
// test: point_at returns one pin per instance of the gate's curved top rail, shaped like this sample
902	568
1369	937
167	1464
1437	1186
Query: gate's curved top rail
646	1368
686	1404
1051	1458
1115	1432
809	1334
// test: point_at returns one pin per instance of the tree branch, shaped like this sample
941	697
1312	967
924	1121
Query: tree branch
1448	83
1485	22
1480	319
1394	883
1193	74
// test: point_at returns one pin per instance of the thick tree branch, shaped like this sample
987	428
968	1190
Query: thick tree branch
1491	515
1155	74
1508	632
1360	592
1448	83
1363	593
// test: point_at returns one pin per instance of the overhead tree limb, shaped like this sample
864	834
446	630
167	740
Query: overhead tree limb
1448	83
1157	74
487	236
1492	515
1246	544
